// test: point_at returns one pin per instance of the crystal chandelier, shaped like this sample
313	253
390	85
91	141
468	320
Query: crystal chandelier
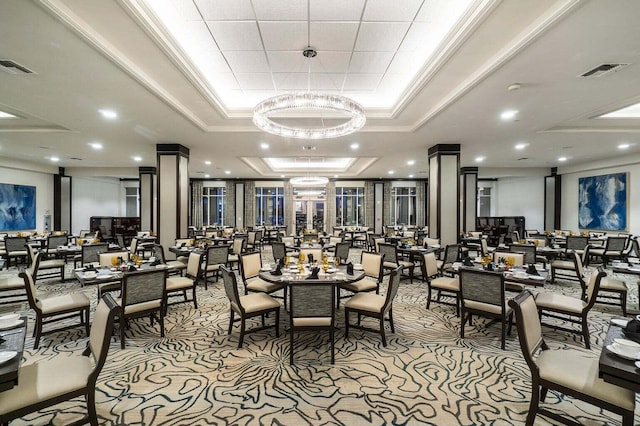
309	181
309	101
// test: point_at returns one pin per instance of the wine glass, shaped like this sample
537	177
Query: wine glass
301	257
336	261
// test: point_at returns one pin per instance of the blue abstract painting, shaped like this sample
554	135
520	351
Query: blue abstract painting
602	202
17	207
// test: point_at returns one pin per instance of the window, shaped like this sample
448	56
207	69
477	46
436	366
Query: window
403	206
349	206
213	202
132	201
484	201
269	206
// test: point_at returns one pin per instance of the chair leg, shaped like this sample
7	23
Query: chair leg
428	295
122	324
543	393
231	317
90	397
333	347
346	322
162	308
503	333
291	347
533	405
38	332
623	303
585	332
242	323
86	321
384	338
195	302
278	322
391	319
464	320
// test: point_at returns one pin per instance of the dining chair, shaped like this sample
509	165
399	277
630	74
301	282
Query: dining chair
373	276
315	252
90	254
14	285
216	257
174	267
248	306
237	249
51	267
613	292
568	372
450	286
106	259
528	251
392	261
53	242
312	308
571	309
613	249
250	265
143	293
342	252
483	293
572	268
279	251
55	308
179	285
16	250
518	258
49	382
375	306
451	254
254	239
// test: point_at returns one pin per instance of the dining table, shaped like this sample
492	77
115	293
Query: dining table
614	368
515	278
12	341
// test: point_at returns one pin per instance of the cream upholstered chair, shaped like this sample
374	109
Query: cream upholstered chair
483	293
568	269
248	306
392	261
450	286
373	275
238	247
250	265
182	242
375	306
217	257
613	249
55	308
14	285
105	259
377	241
15	248
177	285
613	292
566	371
312	308
571	309
52	266
50	382
174	267
143	293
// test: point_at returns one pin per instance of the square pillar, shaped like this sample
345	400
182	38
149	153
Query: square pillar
173	192
444	193
552	200
469	198
148	200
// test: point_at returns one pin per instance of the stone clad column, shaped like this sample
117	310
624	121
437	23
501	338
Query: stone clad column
148	200
469	198
444	193
173	192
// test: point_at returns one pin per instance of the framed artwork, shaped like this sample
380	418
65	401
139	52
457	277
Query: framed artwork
17	207
602	202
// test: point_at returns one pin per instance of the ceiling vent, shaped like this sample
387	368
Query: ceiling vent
603	69
7	65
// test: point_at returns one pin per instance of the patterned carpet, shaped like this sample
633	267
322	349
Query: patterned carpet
426	374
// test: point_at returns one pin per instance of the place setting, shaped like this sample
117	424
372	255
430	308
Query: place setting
10	321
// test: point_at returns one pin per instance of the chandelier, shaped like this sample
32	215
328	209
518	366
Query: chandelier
309	181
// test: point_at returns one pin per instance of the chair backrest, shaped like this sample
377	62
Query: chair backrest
278	250
431	242
342	251
575	242
529	252
239	245
158	252
475	234
185	241
392	289
250	264
429	266
616	244
143	286
83	233
251	237
100	334
134	245
593	285
377	241
314	301
30	283
451	253
518	258
484	247
13	244
531	233
389	251
478	285
91	252
217	255
372	265
335	240
120	240
317	254
231	287
635	248
102	230
194	265
105	258
54	241
529	329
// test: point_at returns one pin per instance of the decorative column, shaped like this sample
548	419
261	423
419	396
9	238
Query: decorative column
330	207
378	207
61	202
552	200
239	190
469	198
148	200
289	216
173	192
444	193
421	203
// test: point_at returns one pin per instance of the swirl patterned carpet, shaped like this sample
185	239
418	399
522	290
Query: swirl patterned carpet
426	374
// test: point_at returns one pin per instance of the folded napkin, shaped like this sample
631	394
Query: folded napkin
531	269
350	268
633	326
321	243
314	274
310	257
278	270
90	267
467	261
132	268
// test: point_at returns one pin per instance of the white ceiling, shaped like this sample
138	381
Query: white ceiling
104	54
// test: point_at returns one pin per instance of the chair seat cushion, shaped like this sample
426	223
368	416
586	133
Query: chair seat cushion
312	322
560	302
486	307
140	307
612	284
63	303
256	302
574	370
176	264
178	283
213	268
365	284
51	264
407	264
183	259
46	379
11	282
390	265
258	284
233	258
18	253
563	264
369	302
446	283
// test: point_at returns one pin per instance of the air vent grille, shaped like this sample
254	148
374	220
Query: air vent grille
603	69
7	65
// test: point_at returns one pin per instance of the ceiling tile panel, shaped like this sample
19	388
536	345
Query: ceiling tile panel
334	62
290	35
370	62
336	36
247	61
362	81
291	81
224	10
402	62
336	10
255	81
185	10
288	61
380	37
224	80
212	62
416	36
379	10
279	10
441	10
236	35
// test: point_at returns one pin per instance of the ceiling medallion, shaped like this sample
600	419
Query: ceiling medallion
291	102
309	181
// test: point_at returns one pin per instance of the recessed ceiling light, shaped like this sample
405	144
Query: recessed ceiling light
411	162
227	172
136	158
95	145
355	146
207	162
562	159
410	176
6	115
335	176
508	114
624	146
264	145
282	176
109	114
480	159
391	172
521	146
54	159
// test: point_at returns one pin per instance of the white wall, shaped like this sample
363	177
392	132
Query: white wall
521	196
94	196
42	180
